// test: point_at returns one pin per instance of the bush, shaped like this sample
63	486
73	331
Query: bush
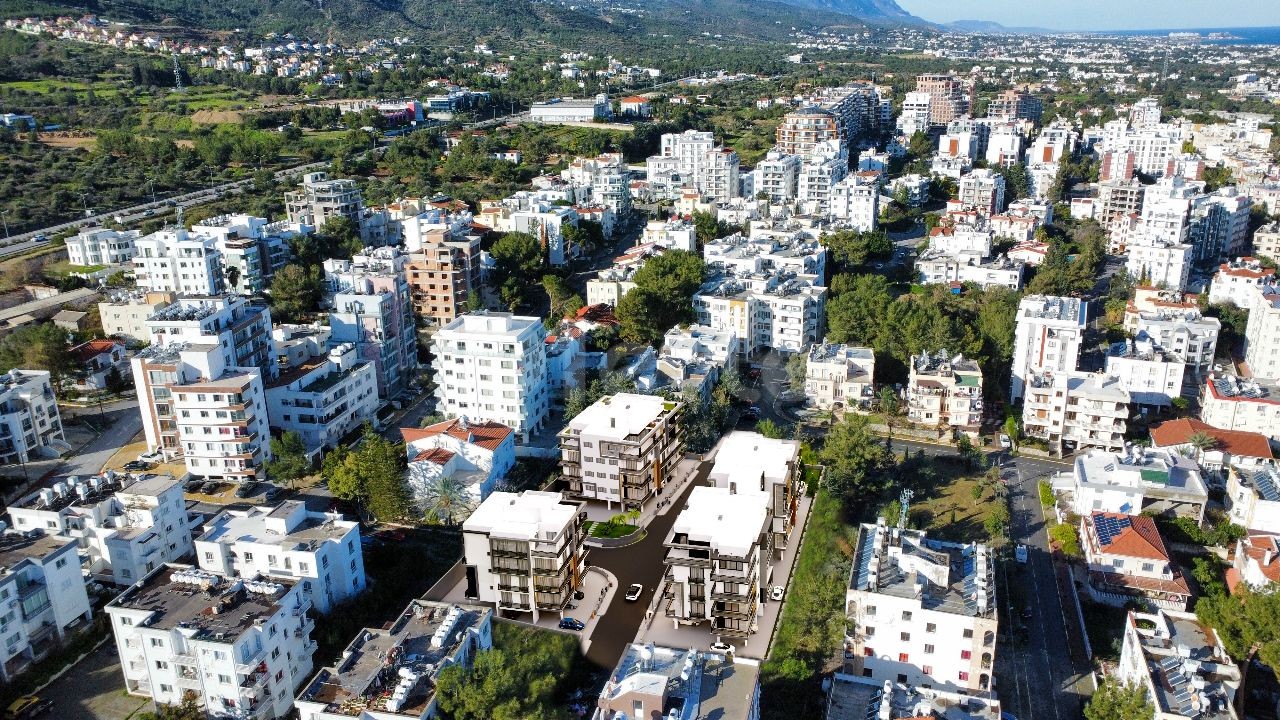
1067	539
1046	494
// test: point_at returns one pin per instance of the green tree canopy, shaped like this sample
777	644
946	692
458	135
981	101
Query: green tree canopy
1246	622
516	680
372	475
40	346
518	259
663	296
1114	701
289	461
295	293
854	458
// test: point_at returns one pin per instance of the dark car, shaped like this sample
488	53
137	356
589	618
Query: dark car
246	489
272	492
211	488
572	624
136	465
27	706
390	534
751	414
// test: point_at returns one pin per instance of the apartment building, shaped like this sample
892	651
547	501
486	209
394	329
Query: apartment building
983	190
719	561
442	275
1266	240
840	375
1186	333
921	608
612	283
766	252
1262	334
692	159
623	449
671	234
1119	199
1180	664
392	672
824	166
961	239
945	392
1138	481
540	214
1154	260
493	366
1240	281
324	398
778	176
320	552
1256	562
1076	410
30	426
1219	224
1252	499
1233	403
937	267
200	385
238	647
949	97
523	552
748	462
318	198
1129	563
102	246
479	454
371	307
44	598
778	309
254	247
124	527
802	130
856	202
916	110
854	696
1014	104
694	356
1152	376
650	679
1049	333
179	261
608	181
125	315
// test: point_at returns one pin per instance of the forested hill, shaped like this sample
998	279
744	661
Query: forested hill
581	24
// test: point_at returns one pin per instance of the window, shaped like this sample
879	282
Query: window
902	678
61	563
157	643
902	657
1146	567
162	665
906	637
869	631
965	654
928	649
964	676
968	634
906	614
868	652
931	627
166	688
224	679
927	669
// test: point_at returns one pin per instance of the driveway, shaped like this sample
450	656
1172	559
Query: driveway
94	690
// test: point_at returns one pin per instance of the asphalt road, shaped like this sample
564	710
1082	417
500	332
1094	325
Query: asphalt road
637	563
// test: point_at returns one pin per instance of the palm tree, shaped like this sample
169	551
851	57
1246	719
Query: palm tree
443	497
1202	442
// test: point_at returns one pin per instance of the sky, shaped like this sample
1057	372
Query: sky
1102	14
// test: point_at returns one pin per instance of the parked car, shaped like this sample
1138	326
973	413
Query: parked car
1020	553
777	592
1005	442
390	534
272	492
722	647
572	624
211	488
246	489
27	706
633	592
136	466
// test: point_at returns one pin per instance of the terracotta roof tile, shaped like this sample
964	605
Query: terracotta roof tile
488	435
1236	442
1137	536
439	456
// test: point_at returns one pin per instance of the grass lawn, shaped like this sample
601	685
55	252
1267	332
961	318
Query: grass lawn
948	508
605	530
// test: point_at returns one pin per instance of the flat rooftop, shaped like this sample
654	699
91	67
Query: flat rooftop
179	596
14	548
744	456
717	687
946	577
1191	673
525	516
1053	308
859	698
727	522
622	416
288	525
1158	472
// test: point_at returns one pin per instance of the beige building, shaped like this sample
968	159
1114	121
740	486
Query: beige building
442	274
945	392
840	375
949	98
1076	410
802	130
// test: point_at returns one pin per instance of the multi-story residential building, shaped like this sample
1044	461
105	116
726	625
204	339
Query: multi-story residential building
945	392
391	673
694	356
325	397
1014	104
802	130
854	696
777	176
748	462
102	246
718	562
917	108
983	190
1266	241
1166	208
1048	337
1231	448
493	366
839	375
798	253
237	647
1262	333
623	449
44	594
1180	664
961	239
179	261
319	551
318	198
1219	225
612	283
124	528
1137	481
1005	143
1076	410
540	214
779	309
1145	112
523	552
1116	165
650	680
824	166
478	454
1128	562
442	274
125	316
1252	499
1256	562
692	159
935	267
200	385
1239	282
1233	403
30	426
949	97
253	246
922	608
607	177
1158	261
672	234
1117	199
371	308
857	202
1151	376
1152	146
1187	334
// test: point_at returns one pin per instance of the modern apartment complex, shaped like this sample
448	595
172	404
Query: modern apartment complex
180	261
44	598
371	308
30	426
623	449
319	198
1076	411
125	315
949	97
325	397
748	462
251	246
1048	337
779	309
443	272
102	246
840	375
1262	334
1233	403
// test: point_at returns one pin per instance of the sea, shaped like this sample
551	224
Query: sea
1238	36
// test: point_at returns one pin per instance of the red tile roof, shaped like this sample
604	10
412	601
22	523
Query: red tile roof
488	435
1235	442
1139	537
439	456
89	350
1257	548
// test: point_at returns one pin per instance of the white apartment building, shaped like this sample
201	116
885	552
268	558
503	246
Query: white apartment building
523	552
839	375
623	449
612	283
319	551
1154	260
371	307
1239	282
1048	337
318	198
1180	664
748	462
179	261
921	608
426	638
1262	333
856	202
1005	144
779	310
695	356
945	392
1145	112
1266	241
44	598
478	454
854	696
719	560
255	247
239	647
102	246
1219	224
1257	560
1129	563
825	166
1076	410
1252	499
540	217
1185	333
607	177
916	110
30	426
692	159
671	234
1166	207
1138	480
766	252
124	528
983	190
324	398
778	176
964	239
1151	376
125	315
1233	403
935	267
493	366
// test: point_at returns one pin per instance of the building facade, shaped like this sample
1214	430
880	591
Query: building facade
30	425
622	449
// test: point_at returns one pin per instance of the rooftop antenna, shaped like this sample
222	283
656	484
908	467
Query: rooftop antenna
904	500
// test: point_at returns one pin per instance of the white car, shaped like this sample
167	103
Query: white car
776	593
1020	554
633	592
722	647
1005	442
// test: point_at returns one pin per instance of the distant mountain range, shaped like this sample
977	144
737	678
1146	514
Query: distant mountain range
989	26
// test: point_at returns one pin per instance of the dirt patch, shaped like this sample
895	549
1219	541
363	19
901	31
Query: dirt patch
188	144
216	117
66	141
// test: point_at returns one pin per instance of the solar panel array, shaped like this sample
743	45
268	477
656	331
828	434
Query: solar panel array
865	553
1267	481
1109	527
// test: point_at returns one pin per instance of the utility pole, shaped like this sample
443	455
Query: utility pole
177	74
